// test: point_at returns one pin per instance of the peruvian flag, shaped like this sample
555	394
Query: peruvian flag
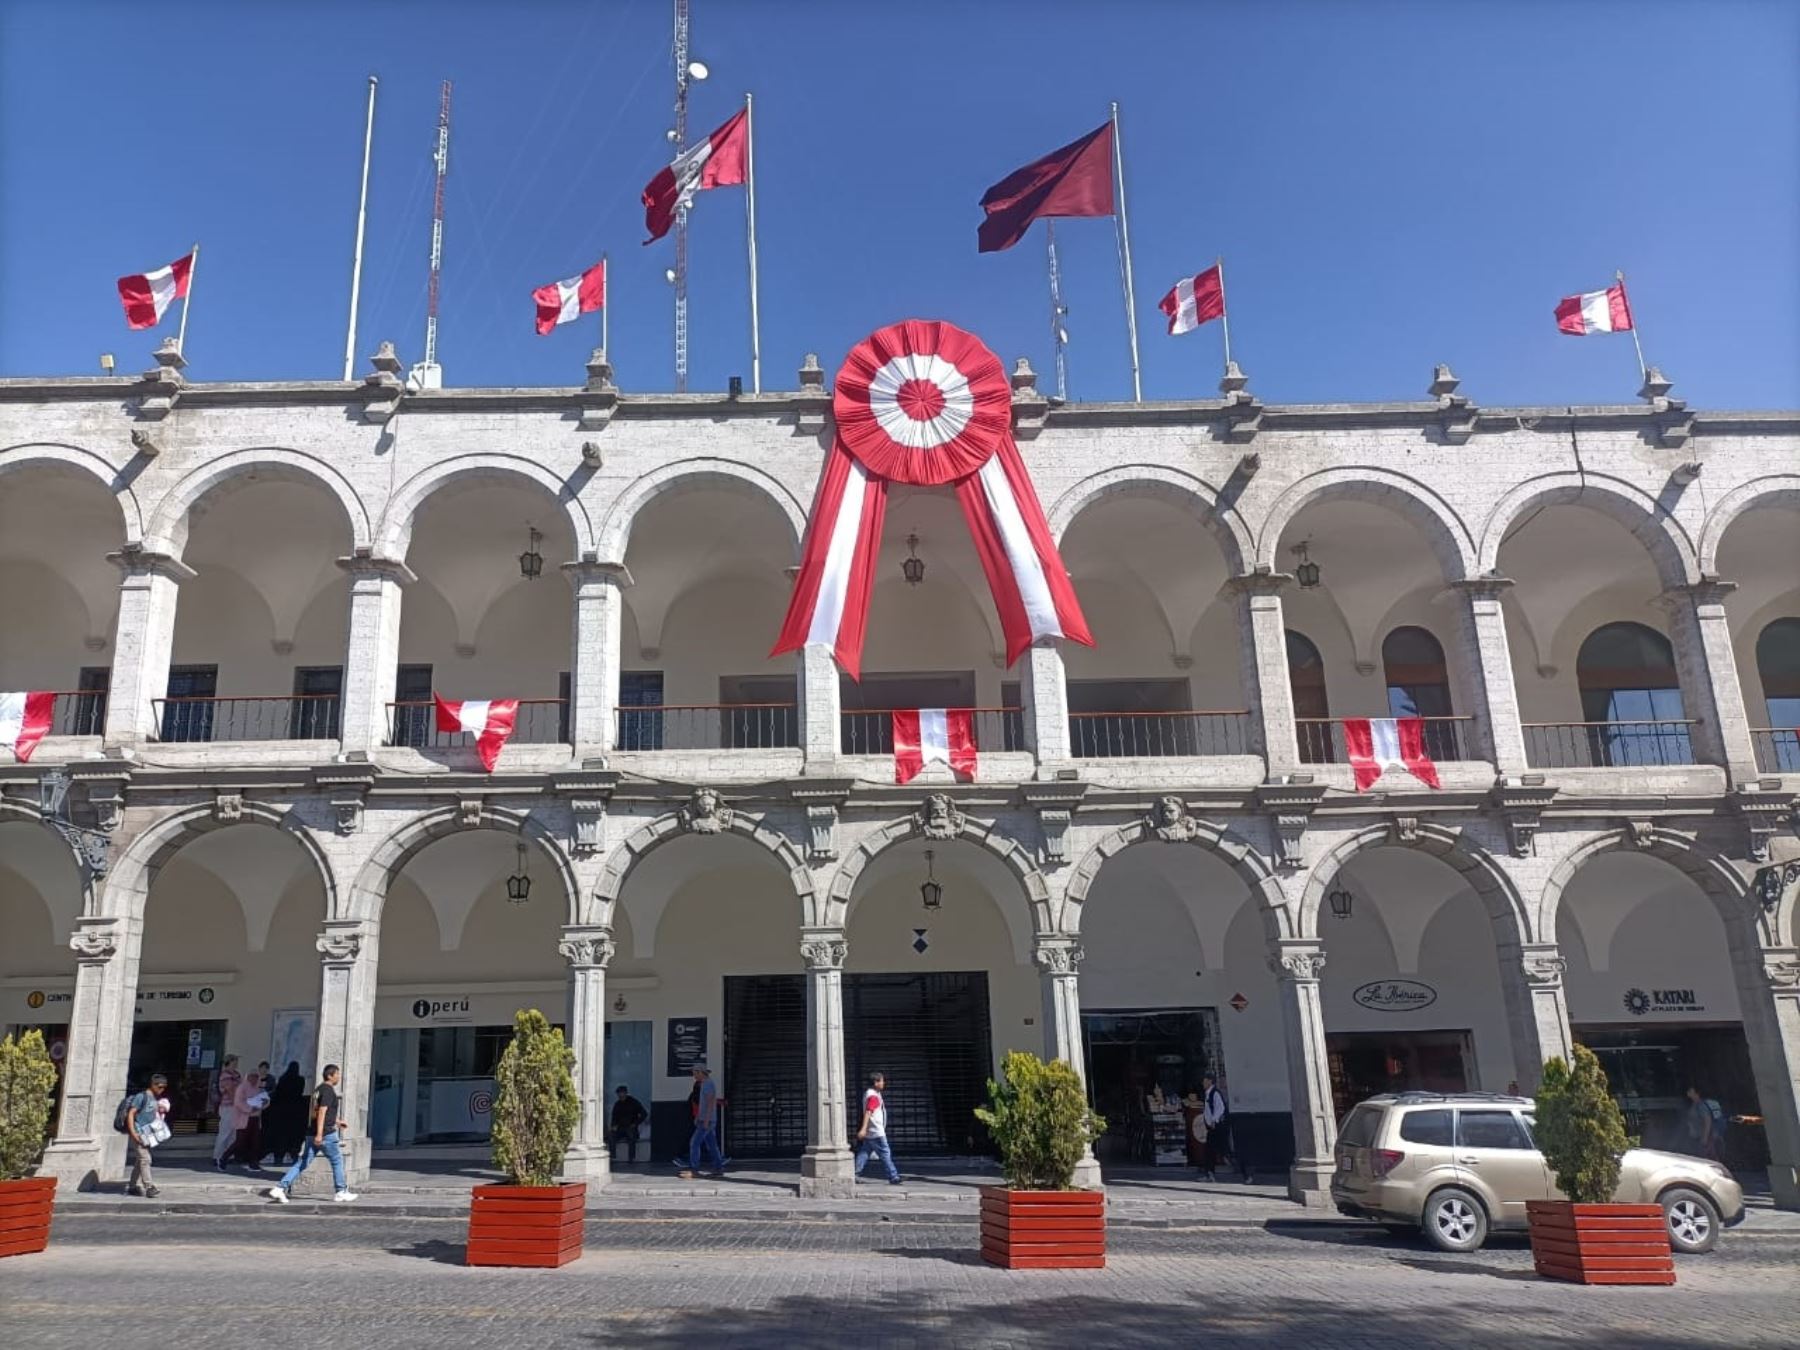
566	301
946	735
1604	311
1195	300
1377	744
488	720
717	161
24	719
147	297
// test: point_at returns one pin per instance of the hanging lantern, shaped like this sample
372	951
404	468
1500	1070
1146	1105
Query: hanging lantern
1341	902
518	885
929	890
1307	572
531	562
913	565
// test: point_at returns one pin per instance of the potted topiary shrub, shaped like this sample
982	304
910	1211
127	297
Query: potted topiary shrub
1040	1121
27	1083
535	1219
1585	1237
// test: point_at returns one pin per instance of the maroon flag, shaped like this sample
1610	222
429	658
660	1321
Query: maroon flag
1076	180
717	161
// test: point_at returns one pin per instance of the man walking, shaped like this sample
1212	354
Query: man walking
140	1118
871	1138
324	1126
705	1142
627	1114
1217	1112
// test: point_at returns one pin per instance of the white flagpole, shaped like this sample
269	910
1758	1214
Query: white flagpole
362	216
1137	383
181	333
1643	370
605	301
750	216
1224	309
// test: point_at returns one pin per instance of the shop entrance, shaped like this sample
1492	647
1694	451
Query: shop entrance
1651	1068
1365	1064
1139	1060
189	1054
435	1085
929	1033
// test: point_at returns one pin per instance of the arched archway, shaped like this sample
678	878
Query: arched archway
1757	537
168	527
696	475
1429	517
40	899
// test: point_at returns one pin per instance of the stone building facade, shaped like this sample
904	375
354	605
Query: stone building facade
245	594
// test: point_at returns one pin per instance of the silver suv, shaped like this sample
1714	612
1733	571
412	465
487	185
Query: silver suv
1455	1166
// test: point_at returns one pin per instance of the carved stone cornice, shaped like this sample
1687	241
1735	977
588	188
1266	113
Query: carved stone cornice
1542	966
347	786
1055	803
1764	814
1781	969
823	799
1490	587
1290	807
586	947
1711	589
341	943
96	941
1521	808
363	564
1260	580
134	560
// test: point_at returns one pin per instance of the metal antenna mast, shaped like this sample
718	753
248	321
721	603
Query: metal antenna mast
1059	335
679	136
427	375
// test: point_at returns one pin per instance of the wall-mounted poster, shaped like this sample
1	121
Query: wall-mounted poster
687	1043
293	1034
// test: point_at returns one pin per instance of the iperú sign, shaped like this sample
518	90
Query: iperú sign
1642	1002
443	1011
1394	996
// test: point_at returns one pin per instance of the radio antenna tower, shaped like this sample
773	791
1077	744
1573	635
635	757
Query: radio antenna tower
427	374
1059	335
679	136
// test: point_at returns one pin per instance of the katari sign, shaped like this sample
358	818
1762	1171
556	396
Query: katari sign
924	403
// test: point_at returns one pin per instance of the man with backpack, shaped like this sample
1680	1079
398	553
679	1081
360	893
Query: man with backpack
1219	1143
137	1118
1705	1125
323	1126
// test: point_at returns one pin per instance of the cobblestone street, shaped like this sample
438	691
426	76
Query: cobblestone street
294	1279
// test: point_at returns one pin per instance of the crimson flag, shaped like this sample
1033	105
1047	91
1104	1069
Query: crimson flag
1076	180
718	161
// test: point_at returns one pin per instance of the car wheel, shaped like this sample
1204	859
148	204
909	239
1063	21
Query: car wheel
1454	1221
1693	1220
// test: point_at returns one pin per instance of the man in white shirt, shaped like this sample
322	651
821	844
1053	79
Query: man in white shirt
871	1139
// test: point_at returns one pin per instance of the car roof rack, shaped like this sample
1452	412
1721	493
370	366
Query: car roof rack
1416	1097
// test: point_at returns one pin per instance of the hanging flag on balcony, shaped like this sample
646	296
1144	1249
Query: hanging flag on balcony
1377	744
941	735
488	720
24	720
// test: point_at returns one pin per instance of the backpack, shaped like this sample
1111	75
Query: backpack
122	1117
1720	1121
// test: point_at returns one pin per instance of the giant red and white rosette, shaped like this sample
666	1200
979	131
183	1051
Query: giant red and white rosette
927	404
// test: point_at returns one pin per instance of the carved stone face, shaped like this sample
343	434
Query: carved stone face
706	803
1168	811
937	810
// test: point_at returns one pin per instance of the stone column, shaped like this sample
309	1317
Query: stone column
1707	666
348	950
1297	963
371	650
1046	698
1483	629
1769	987
595	656
1263	666
142	641
826	1168
588	950
86	1150
1057	961
1537	1016
820	709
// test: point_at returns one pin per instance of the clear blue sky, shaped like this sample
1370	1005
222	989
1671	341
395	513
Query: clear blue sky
1391	184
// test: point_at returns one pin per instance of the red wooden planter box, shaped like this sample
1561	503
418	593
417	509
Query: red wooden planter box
1043	1230
1600	1244
25	1215
526	1225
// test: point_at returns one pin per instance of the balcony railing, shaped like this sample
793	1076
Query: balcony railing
1154	735
278	717
1322	739
708	726
540	721
1777	749
78	712
1608	745
870	731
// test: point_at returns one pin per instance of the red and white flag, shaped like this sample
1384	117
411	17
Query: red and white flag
1604	311
566	301
1195	300
1377	744
24	720
717	161
147	297
943	735
488	720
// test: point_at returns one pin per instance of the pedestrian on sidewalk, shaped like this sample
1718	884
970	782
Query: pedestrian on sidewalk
705	1141
627	1114
871	1138
229	1081
1217	1113
324	1130
252	1098
284	1120
141	1119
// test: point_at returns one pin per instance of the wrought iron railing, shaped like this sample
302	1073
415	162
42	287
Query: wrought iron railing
1608	745
275	717
707	726
870	731
1322	739
1123	735
78	712
539	721
1777	749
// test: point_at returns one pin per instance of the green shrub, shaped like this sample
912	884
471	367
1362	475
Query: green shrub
27	1087
1579	1128
535	1106
1040	1121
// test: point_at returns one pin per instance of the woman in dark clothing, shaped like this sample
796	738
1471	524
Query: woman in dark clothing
284	1121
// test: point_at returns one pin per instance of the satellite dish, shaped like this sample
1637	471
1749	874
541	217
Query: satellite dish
697	70
669	275
669	135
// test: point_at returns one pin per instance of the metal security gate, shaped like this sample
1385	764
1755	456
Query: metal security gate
929	1033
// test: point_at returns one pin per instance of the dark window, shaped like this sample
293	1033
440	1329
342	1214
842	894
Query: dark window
413	718
1306	673
1012	721
562	716
318	696
89	715
1426	1127
1359	1127
1627	675
640	730
1778	663
1118	717
1490	1129
1418	685
185	720
866	728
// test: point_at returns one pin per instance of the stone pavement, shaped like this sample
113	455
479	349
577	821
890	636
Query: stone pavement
374	1278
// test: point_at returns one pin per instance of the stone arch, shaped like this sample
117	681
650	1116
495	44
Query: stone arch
986	837
167	530
1444	529
1776	489
368	896
18	813
128	885
687	475
1660	533
1721	881
1264	887
87	464
1479	869
1184	490
671	825
394	534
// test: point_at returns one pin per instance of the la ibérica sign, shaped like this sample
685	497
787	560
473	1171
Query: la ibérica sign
1393	996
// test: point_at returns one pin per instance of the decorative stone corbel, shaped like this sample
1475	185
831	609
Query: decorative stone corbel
1674	424
1456	414
1542	966
812	402
228	807
823	799
382	388
938	817
1764	814
469	811
107	798
1405	829
159	388
1030	409
96	940
705	813
1298	959
588	791
599	401
586	946
1781	968
1640	833
1521	807
144	443
1289	807
823	948
1170	822
347	788
341	942
1057	958
1243	411
1055	803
